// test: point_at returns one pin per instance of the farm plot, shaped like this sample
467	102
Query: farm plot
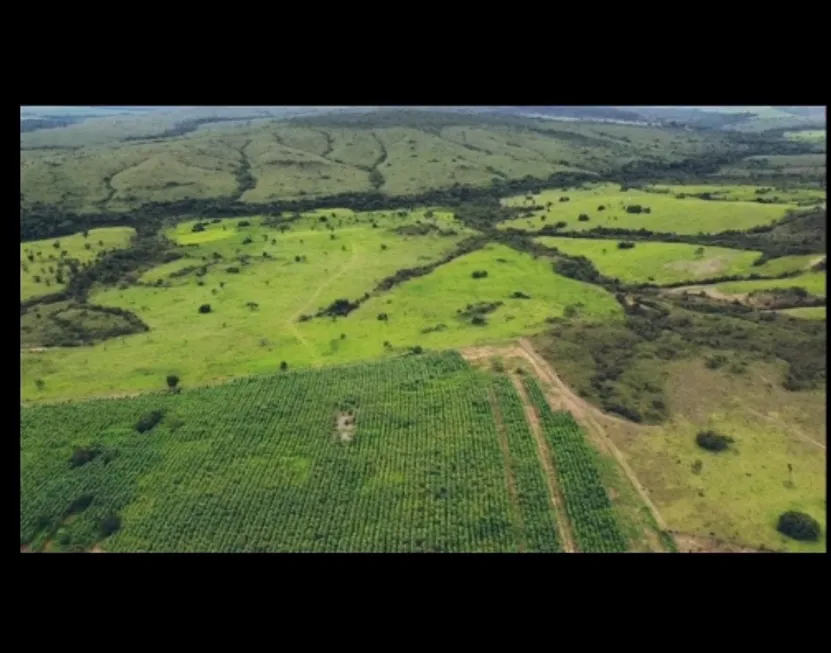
259	464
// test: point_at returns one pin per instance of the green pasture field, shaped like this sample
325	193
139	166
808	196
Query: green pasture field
806	312
396	456
47	256
813	282
237	339
809	135
738	494
664	263
748	192
668	214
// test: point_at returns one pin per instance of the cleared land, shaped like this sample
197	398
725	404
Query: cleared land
787	194
663	263
433	464
667	213
255	306
43	263
813	282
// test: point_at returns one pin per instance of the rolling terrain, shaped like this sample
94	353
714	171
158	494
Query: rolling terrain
431	331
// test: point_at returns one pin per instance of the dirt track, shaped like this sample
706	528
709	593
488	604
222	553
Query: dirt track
564	399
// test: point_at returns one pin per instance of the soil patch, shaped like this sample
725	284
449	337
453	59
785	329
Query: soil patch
345	427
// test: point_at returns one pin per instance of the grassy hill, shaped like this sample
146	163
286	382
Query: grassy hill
92	167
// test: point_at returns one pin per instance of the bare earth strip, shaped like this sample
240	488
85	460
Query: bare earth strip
547	460
510	481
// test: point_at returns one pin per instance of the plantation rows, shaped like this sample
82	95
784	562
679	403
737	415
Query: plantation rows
258	465
537	513
588	507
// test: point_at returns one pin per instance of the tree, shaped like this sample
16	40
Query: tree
798	526
205	308
284	366
172	381
583	218
109	525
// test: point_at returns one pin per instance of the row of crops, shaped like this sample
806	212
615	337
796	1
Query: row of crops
587	504
258	465
536	512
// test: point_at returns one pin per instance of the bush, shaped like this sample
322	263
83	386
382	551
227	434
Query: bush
81	456
582	218
244	223
478	320
172	381
284	366
149	421
109	525
798	526
716	361
712	441
520	295
634	208
198	227
601	208
625	245
205	308
479	274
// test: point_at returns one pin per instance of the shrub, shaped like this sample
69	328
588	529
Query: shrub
478	320
564	198
497	365
625	245
601	208
232	270
634	208
479	274
716	361
109	525
82	456
205	308
284	366
149	421
582	218
560	225
798	526
520	295
172	381
712	441
198	227
244	223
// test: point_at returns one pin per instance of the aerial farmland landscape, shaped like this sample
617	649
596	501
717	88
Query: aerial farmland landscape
432	330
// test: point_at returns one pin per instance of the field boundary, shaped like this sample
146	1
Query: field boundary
510	481
546	459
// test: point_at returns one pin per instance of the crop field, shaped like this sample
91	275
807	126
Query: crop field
790	194
42	261
587	503
663	263
396	456
813	282
667	213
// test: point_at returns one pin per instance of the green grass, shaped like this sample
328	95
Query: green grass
808	135
813	282
663	263
748	192
739	493
292	160
235	340
47	256
668	213
807	312
259	465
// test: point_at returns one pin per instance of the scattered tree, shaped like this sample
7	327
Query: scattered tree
205	308
712	441
172	381
798	525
